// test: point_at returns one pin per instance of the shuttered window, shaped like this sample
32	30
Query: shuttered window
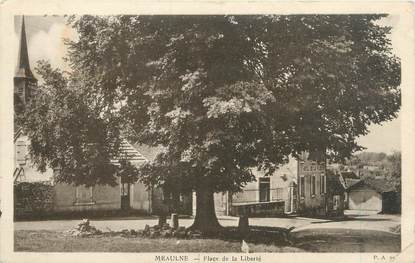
21	152
83	195
302	186
322	184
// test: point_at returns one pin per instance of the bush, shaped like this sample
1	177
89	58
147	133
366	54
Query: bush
32	198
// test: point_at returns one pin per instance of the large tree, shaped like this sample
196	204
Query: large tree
227	94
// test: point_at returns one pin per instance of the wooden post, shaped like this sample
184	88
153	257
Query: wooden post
175	221
162	220
243	224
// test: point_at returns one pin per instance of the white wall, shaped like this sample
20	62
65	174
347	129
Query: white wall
365	199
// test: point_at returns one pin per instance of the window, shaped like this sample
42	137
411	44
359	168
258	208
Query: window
20	89
264	189
224	199
83	195
336	202
322	184
166	195
21	152
313	185
302	186
125	189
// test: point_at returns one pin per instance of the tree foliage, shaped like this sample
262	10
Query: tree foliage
382	165
395	168
71	130
221	94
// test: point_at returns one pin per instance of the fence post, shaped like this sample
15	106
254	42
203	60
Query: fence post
243	225
175	221
162	220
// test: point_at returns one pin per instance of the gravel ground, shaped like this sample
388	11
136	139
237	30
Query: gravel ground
359	233
376	222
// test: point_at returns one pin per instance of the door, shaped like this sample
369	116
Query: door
264	189
336	202
125	196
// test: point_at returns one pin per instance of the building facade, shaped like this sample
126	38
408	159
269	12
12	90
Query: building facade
302	186
273	190
71	198
272	195
312	184
319	193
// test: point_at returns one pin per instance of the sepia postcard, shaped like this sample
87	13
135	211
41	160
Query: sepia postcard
209	131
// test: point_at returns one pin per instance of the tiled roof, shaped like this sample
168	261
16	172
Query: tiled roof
350	175
150	153
129	153
29	173
378	184
350	181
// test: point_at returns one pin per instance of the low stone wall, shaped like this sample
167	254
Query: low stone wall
263	209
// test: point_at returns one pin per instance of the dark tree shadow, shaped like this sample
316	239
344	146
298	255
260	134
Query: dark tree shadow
352	219
256	235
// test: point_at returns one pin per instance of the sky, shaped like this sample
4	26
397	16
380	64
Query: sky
45	36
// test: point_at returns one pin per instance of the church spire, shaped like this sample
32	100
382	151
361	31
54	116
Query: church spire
24	81
23	66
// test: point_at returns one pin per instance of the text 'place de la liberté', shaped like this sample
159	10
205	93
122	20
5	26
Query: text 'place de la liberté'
207	258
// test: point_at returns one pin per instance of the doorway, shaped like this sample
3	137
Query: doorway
264	189
125	196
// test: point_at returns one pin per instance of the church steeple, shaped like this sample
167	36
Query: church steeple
23	66
24	80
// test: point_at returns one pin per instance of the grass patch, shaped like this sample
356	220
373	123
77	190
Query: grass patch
53	241
347	240
259	239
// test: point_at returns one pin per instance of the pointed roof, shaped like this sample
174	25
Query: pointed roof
129	153
23	65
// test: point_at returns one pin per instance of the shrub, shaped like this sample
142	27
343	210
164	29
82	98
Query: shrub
34	198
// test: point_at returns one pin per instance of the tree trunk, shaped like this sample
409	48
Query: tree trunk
205	220
176	203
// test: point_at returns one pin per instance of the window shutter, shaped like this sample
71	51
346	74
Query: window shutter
83	194
21	152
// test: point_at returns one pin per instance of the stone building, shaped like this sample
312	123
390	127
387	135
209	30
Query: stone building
373	195
302	186
273	195
319	193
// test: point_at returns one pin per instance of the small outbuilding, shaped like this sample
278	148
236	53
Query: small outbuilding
373	195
